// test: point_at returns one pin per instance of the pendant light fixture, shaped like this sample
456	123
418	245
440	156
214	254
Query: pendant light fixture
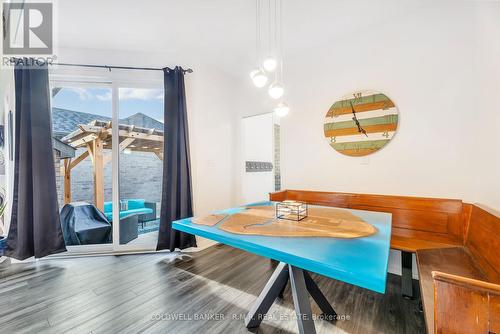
282	109
277	89
274	60
258	76
270	63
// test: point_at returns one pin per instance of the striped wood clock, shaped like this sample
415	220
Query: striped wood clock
361	123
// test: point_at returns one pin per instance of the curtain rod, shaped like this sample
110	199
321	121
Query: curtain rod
109	67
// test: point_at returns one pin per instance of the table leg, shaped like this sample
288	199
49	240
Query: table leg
267	297
320	299
406	275
301	285
301	301
281	295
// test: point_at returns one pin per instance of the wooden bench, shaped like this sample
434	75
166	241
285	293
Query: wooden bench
449	238
460	285
417	222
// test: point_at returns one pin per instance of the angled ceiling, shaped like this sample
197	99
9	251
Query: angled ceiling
220	31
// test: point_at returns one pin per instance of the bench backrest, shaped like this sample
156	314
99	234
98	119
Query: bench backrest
483	241
433	219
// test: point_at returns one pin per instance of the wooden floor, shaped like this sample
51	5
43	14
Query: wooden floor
145	293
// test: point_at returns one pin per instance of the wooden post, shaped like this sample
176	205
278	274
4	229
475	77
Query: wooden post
98	173
67	181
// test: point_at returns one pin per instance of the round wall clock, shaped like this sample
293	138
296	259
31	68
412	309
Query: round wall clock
361	123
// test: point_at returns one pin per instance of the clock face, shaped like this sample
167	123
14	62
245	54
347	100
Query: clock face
361	123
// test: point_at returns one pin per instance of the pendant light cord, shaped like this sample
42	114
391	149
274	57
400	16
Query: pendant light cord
276	47
257	32
281	38
270	29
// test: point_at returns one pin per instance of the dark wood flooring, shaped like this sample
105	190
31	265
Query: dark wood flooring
210	294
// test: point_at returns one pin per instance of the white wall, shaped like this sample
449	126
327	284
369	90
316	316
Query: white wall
486	146
258	145
435	62
212	120
440	63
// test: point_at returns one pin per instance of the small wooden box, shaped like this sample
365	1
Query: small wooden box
291	210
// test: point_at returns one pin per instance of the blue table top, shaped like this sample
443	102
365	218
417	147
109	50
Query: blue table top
360	261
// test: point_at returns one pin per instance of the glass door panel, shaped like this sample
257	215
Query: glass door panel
82	143
141	165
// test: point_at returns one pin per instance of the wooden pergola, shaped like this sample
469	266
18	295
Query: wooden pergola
96	137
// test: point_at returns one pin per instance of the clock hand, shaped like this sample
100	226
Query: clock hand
355	119
364	132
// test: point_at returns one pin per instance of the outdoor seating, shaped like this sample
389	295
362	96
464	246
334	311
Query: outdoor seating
145	211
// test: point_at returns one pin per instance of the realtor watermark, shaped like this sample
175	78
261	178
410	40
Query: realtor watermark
174	316
28	33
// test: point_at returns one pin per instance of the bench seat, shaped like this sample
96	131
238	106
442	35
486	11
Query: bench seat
456	261
413	245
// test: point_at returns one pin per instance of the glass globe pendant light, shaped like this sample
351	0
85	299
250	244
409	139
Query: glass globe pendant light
281	109
276	90
259	78
270	64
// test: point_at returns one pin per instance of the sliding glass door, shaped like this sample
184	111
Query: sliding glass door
108	155
82	143
141	165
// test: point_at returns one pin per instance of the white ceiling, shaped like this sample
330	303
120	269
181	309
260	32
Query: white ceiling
221	32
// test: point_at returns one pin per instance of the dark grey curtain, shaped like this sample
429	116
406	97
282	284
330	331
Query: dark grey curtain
176	199
35	228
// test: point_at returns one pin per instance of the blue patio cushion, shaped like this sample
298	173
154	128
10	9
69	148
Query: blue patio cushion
131	204
140	211
108	206
136	204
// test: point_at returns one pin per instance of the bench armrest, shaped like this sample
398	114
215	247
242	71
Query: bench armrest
469	283
150	205
465	305
149	216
